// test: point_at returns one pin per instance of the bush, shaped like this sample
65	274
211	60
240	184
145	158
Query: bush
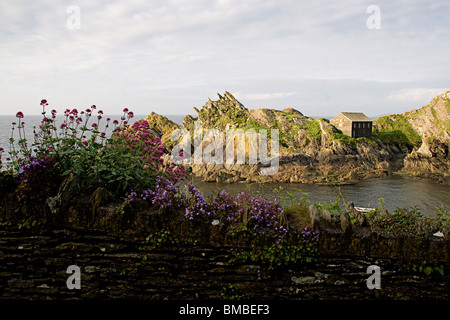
129	159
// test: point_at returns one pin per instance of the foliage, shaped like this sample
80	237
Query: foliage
302	248
427	268
408	220
313	128
39	178
442	215
396	129
262	222
130	159
229	292
332	206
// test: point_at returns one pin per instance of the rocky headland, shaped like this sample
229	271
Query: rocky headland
314	151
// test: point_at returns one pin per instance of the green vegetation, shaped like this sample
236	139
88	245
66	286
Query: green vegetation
427	268
313	128
344	139
396	129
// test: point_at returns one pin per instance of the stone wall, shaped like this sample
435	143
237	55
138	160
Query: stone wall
33	266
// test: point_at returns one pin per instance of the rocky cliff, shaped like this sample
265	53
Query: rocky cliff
313	151
426	129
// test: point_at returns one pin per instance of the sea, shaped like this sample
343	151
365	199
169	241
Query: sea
392	192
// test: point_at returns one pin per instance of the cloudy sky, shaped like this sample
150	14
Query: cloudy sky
319	57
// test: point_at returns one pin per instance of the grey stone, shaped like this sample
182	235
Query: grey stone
326	215
382	212
345	222
303	280
314	215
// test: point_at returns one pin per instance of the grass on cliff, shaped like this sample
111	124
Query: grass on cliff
396	129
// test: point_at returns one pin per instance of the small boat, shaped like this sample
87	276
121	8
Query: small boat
359	209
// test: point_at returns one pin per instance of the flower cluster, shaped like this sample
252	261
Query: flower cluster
196	204
228	206
37	177
164	195
139	139
130	159
267	214
308	236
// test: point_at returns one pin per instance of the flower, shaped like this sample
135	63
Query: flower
85	143
125	110
19	114
116	122
100	112
44	102
94	125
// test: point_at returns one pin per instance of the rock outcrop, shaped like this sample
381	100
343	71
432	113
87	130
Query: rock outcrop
428	130
314	151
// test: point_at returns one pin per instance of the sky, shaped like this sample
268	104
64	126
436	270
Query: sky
319	57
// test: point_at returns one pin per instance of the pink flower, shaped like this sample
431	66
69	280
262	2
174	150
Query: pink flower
116	122
100	112
93	106
54	111
44	102
19	114
13	123
130	114
85	143
63	125
125	110
94	125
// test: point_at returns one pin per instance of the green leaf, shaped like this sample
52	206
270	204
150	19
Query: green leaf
67	172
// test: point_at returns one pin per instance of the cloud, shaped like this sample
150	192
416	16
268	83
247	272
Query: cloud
173	54
417	94
263	96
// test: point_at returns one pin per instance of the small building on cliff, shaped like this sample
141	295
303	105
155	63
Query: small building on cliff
353	124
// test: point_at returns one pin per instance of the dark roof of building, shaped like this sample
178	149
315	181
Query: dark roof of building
356	116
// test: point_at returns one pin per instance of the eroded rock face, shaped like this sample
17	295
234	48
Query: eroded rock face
431	124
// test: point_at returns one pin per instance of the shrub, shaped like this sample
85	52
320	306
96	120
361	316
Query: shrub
130	159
